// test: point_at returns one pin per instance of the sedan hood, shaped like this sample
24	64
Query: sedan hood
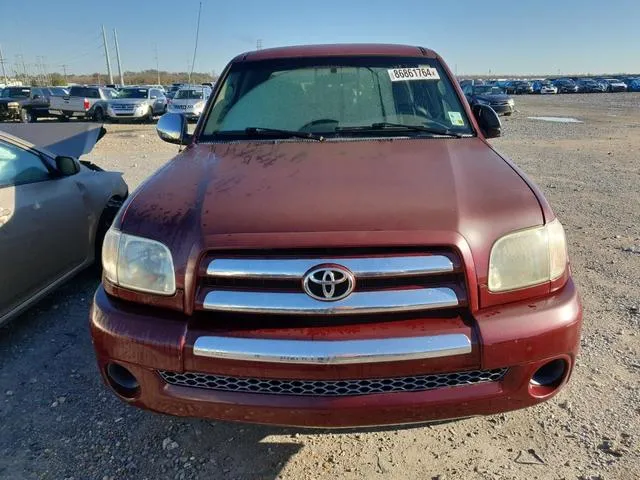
495	97
341	193
65	139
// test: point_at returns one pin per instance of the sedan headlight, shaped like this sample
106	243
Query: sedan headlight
13	104
510	102
138	263
528	257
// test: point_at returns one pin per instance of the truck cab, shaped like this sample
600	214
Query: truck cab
337	244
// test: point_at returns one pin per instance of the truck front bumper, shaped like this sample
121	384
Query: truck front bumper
530	347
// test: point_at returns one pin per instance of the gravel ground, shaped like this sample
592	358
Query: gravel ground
57	421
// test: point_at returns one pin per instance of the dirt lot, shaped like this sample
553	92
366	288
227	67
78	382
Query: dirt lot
57	420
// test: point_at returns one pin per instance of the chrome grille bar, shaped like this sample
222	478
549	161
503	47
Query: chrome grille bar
380	301
332	352
290	268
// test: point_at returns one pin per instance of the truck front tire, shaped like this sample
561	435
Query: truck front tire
26	116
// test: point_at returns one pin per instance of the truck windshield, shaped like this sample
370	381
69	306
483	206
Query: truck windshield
16	93
336	97
133	93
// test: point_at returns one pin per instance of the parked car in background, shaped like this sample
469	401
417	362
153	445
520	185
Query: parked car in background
589	85
291	267
137	103
544	87
489	95
24	104
83	102
54	209
519	87
190	101
616	85
633	85
565	85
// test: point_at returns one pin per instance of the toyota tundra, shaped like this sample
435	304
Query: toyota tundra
336	245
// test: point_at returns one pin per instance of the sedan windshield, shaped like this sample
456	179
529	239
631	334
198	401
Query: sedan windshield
337	97
189	94
487	90
133	93
16	92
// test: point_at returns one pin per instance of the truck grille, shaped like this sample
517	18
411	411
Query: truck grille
334	283
332	388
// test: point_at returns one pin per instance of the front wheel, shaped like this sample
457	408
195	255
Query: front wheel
98	115
26	116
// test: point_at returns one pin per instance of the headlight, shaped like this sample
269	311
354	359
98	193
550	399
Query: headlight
198	106
138	263
482	102
528	257
510	102
13	104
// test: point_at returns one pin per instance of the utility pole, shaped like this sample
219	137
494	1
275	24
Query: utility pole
64	69
195	48
259	44
115	37
4	71
106	54
157	65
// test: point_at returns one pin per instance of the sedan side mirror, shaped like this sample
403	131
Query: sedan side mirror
172	128
67	166
488	120
153	97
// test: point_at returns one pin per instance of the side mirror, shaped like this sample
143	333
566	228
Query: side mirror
488	120
153	97
37	97
172	128
67	166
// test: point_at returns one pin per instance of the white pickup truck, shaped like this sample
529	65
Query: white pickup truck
82	101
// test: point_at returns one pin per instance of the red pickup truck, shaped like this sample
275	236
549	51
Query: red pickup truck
337	245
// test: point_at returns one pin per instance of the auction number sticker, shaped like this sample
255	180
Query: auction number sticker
413	73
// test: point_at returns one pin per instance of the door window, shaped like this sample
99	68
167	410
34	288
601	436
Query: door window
18	166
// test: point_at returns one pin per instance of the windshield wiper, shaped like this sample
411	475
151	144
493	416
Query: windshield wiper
260	131
400	126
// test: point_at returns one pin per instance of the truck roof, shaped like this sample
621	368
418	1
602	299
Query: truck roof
336	50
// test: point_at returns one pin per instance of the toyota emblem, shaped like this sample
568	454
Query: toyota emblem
328	283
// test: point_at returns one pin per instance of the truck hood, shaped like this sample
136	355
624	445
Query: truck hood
339	193
9	99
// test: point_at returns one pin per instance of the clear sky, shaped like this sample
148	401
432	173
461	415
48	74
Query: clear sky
497	36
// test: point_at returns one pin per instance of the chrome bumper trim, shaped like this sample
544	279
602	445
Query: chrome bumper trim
379	301
368	267
334	352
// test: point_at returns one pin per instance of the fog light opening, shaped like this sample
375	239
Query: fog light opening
548	377
122	380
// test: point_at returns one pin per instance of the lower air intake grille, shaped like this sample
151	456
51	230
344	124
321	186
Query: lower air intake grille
331	388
